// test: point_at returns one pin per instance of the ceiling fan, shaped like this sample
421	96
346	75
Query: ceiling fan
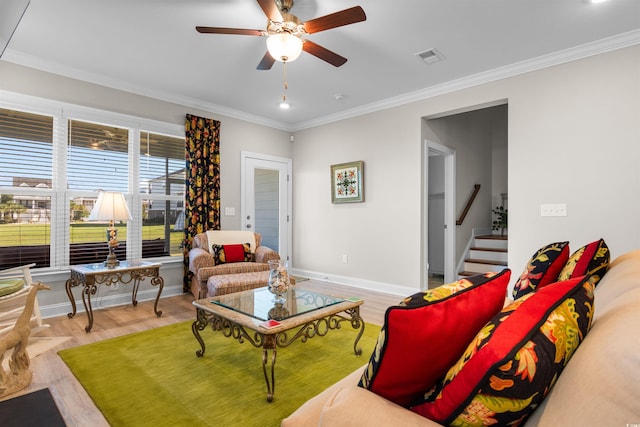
286	32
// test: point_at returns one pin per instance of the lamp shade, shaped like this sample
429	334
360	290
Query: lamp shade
110	206
284	47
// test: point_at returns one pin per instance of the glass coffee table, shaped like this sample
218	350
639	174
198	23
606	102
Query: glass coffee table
253	316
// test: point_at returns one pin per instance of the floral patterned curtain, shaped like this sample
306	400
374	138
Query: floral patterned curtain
202	196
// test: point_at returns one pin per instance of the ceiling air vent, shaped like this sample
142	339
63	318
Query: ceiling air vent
430	56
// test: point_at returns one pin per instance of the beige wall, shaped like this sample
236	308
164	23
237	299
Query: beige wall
573	134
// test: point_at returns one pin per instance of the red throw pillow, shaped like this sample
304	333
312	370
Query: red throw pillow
427	333
514	361
590	259
543	268
231	253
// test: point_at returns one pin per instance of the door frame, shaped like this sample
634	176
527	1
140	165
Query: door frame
277	162
449	211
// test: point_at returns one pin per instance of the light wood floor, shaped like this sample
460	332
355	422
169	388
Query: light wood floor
74	403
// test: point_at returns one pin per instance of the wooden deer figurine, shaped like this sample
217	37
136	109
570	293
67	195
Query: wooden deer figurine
19	375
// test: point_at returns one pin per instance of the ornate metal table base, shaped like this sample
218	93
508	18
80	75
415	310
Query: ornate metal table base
90	278
271	341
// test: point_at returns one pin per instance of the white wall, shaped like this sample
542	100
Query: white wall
573	134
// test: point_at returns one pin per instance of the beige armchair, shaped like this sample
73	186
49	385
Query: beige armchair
203	264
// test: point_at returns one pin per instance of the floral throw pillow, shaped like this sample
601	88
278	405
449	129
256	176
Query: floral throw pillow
424	335
543	268
223	254
514	361
592	259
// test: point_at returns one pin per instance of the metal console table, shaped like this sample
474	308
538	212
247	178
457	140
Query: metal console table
89	276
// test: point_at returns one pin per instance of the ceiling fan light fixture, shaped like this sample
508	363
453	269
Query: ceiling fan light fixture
284	47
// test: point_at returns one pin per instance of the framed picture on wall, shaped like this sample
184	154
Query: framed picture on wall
347	182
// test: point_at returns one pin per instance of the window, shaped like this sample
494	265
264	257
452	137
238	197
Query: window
26	164
162	184
51	166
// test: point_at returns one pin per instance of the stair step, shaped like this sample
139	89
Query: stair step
492	242
488	253
483	261
495	255
483	266
466	273
481	248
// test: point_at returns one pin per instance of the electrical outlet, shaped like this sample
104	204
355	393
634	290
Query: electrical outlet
345	259
558	209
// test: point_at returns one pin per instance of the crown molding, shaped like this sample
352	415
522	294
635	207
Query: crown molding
572	54
106	81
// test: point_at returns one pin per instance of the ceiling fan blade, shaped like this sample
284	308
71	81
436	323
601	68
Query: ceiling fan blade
270	9
334	20
323	53
266	62
221	30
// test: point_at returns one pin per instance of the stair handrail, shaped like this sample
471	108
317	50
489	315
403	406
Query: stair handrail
465	211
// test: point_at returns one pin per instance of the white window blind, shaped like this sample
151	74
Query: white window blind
97	157
26	153
162	184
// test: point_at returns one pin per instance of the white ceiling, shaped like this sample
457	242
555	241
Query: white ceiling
150	47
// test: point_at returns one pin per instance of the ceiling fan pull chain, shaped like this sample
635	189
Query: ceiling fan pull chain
286	86
284	78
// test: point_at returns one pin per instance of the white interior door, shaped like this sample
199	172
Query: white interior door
266	200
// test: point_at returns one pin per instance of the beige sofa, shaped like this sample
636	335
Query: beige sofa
600	386
236	276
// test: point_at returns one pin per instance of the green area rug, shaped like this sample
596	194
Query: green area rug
154	378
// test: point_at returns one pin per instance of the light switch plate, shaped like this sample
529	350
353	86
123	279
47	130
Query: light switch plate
558	209
229	211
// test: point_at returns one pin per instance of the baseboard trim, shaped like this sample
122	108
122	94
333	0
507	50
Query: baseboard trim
55	310
370	285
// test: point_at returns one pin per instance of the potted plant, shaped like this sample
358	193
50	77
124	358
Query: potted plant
500	222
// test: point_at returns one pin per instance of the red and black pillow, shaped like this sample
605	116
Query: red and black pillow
515	359
543	268
427	333
232	253
592	259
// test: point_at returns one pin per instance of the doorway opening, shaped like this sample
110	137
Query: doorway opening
477	138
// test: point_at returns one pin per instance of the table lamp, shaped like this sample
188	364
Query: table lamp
111	206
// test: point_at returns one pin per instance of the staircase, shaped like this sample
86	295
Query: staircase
486	253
